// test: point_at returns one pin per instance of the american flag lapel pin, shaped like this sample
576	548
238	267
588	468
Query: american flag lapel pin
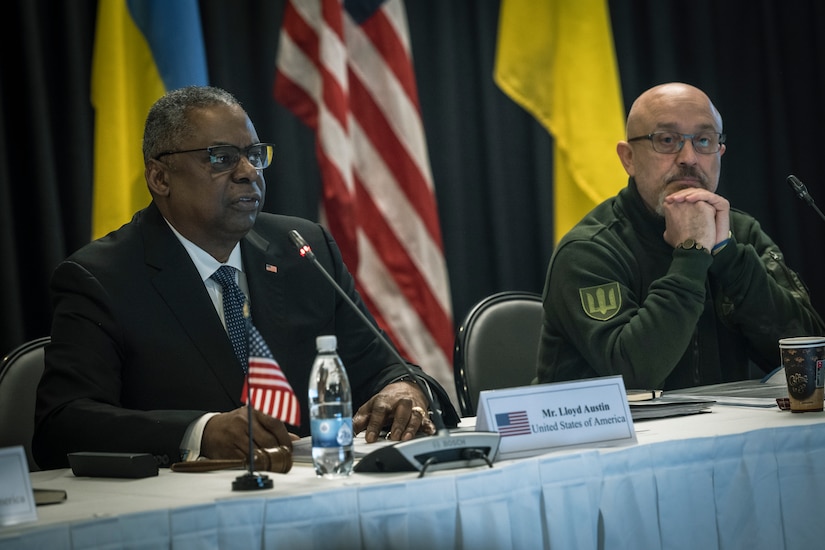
271	268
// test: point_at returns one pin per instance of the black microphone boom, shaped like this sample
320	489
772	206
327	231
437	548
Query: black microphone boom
441	451
802	192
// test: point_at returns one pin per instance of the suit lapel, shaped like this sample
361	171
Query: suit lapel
180	285
262	259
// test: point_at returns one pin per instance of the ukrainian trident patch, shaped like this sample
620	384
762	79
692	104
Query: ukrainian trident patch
601	302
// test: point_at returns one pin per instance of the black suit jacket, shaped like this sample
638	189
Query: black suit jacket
138	351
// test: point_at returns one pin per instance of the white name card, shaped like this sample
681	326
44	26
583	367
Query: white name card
537	418
16	497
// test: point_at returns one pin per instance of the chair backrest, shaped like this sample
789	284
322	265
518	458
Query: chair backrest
496	346
20	373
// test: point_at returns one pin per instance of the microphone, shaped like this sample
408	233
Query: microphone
441	451
802	192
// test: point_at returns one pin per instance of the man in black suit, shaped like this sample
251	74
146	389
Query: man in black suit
140	360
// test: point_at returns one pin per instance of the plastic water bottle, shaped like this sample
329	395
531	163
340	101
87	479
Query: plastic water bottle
330	411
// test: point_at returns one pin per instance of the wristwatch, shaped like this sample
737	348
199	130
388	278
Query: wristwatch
691	244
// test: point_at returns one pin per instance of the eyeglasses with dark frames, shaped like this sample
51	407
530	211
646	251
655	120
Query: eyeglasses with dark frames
223	158
671	143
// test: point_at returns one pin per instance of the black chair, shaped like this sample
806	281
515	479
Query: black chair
497	346
20	373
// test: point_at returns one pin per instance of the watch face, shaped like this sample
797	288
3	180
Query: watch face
692	244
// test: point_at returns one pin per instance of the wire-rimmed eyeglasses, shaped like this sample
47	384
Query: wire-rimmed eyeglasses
223	158
670	143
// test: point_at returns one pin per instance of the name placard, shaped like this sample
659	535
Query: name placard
537	418
16	497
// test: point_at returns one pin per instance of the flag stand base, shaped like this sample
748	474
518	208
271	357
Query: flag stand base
251	482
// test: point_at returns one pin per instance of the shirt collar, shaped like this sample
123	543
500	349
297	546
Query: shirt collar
204	262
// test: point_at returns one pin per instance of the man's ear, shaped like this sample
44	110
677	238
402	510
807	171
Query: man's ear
155	174
625	152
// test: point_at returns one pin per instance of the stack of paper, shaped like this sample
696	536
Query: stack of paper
669	405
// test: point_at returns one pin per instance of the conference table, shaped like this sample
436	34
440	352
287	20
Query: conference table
736	476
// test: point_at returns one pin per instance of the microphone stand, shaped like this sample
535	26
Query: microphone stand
802	192
438	452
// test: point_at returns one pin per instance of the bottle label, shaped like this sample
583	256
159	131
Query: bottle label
331	432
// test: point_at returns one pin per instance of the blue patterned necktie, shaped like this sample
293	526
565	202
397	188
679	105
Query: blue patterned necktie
266	385
234	302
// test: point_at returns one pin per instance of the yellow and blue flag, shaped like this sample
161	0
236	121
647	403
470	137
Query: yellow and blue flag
557	60
143	48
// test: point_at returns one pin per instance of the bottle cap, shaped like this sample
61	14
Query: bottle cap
326	343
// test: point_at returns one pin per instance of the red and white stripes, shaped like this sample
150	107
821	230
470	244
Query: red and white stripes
349	76
270	391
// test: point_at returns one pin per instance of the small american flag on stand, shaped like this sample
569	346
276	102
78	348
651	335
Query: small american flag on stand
270	390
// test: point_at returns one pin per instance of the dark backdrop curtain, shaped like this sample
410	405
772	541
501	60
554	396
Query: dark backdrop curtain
761	61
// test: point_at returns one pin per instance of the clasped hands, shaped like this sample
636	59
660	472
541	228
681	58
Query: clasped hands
401	407
696	213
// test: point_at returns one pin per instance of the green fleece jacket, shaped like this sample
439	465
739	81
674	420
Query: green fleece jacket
619	300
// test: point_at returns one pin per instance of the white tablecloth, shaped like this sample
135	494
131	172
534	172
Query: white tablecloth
737	477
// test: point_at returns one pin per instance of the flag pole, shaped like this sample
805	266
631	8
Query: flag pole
250	481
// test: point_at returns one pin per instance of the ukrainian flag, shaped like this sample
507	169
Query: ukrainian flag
556	59
143	48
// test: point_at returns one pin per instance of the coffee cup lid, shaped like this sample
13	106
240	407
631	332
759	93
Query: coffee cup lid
802	341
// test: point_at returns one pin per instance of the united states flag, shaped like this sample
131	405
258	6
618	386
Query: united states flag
513	423
268	388
345	69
